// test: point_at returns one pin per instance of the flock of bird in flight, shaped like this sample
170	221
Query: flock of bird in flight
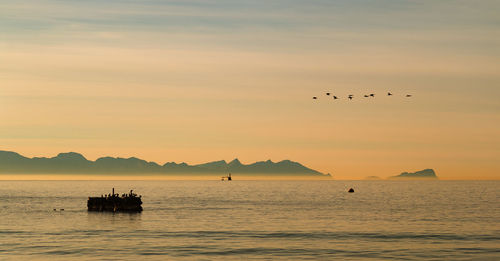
350	97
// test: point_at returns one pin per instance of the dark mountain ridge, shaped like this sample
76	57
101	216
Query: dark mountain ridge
75	163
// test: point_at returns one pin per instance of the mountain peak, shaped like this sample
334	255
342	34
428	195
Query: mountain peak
214	165
236	161
70	155
10	156
10	153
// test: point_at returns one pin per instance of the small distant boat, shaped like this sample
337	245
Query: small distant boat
228	177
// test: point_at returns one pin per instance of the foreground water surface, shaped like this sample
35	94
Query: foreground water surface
401	220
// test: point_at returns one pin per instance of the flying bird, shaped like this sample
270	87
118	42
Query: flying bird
350	97
408	95
366	96
335	97
314	98
372	95
389	94
327	93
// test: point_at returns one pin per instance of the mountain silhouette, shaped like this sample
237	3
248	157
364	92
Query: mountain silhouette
75	163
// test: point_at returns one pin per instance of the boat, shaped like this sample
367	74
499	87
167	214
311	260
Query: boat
228	177
112	202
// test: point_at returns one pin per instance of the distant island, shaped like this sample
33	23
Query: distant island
75	163
373	178
423	174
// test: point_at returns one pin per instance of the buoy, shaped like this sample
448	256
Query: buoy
351	190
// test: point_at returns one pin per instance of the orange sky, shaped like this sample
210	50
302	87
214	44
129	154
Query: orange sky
198	83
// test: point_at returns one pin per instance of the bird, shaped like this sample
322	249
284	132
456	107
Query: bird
350	97
314	98
366	96
372	95
327	93
408	95
335	97
389	94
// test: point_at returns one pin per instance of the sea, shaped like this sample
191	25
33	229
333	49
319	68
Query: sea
253	220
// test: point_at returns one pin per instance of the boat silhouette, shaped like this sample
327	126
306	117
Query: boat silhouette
116	203
228	177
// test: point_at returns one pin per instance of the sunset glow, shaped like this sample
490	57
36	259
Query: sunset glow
198	81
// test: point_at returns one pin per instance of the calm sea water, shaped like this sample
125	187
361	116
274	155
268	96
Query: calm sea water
205	220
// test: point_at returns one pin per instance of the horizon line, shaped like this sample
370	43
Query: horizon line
214	177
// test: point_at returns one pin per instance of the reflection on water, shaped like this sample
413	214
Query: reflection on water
111	219
411	220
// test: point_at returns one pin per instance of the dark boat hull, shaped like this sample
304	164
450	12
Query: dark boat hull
115	204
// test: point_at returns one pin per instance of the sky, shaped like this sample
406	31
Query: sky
198	81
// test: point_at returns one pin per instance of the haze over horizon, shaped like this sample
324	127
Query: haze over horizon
196	81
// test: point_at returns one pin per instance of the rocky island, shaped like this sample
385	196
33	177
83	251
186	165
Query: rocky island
423	174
